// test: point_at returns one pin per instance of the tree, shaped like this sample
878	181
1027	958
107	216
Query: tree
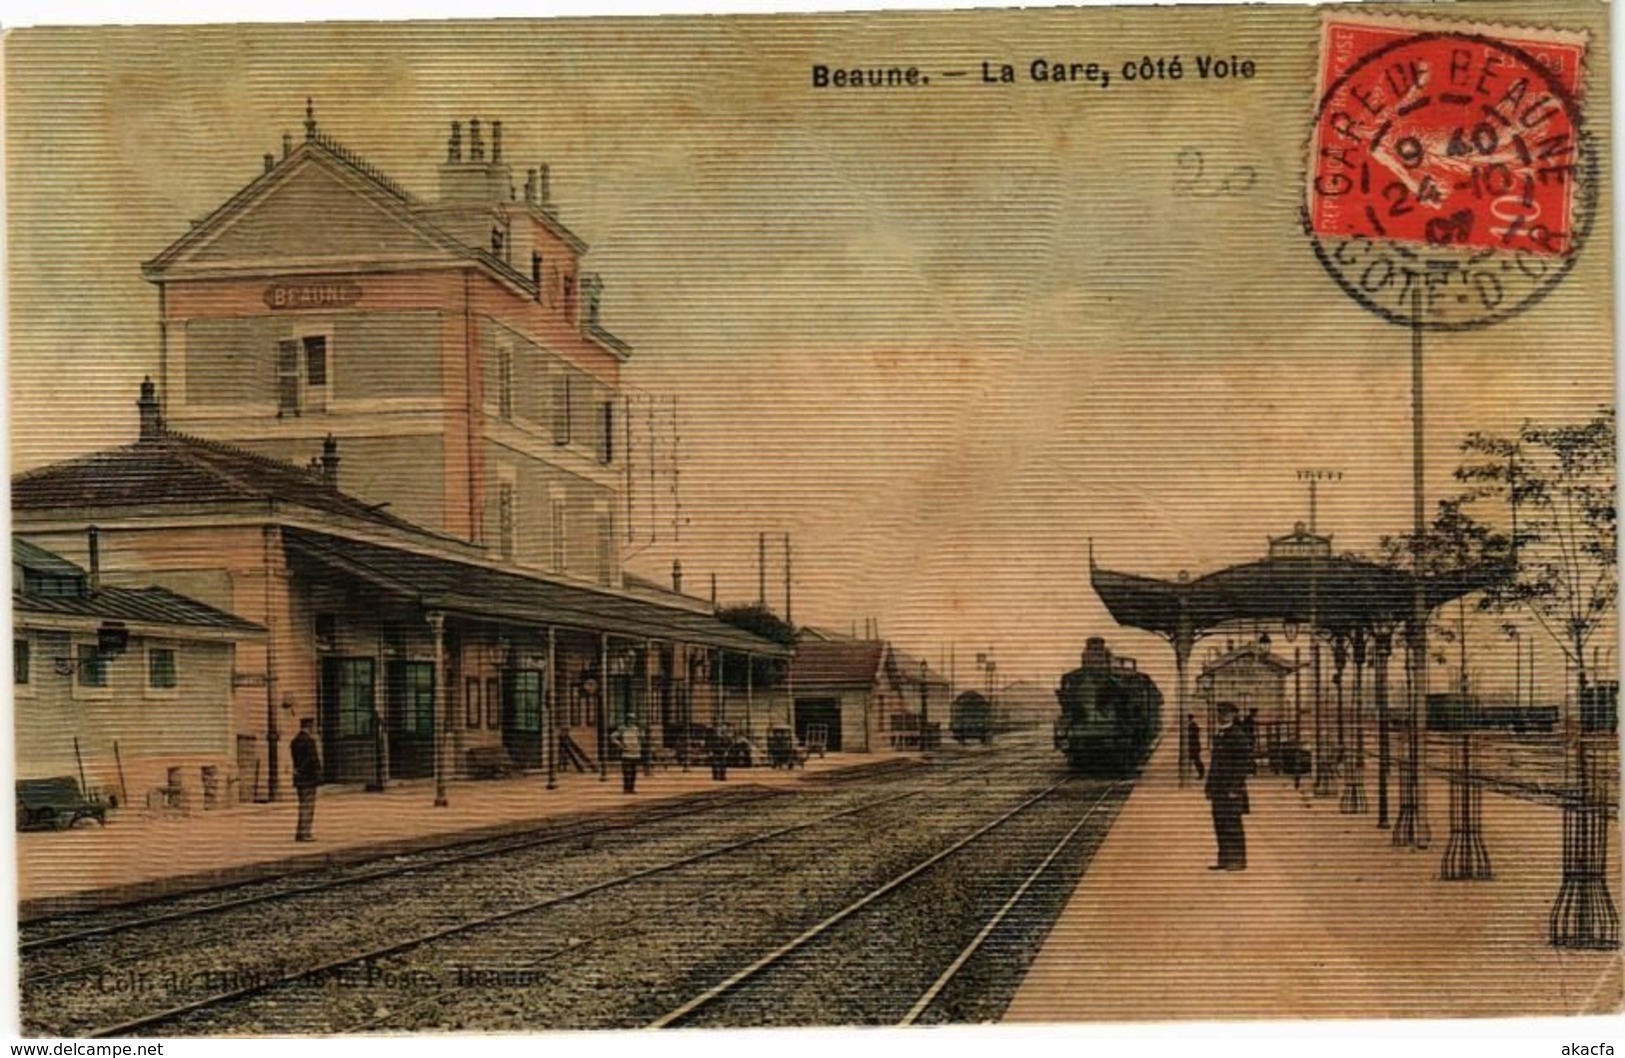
760	621
1557	484
1455	542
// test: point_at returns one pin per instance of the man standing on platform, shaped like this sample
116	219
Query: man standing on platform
1230	763
721	741
629	737
1193	740
307	775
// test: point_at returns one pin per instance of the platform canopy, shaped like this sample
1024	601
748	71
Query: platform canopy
1299	582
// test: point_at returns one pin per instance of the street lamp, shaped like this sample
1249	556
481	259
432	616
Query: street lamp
925	711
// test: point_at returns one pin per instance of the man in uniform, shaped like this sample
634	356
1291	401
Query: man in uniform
1228	767
307	775
629	737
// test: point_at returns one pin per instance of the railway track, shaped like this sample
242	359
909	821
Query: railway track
460	853
337	964
761	968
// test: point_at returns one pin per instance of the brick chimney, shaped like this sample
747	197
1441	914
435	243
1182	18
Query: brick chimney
152	422
677	575
472	179
330	462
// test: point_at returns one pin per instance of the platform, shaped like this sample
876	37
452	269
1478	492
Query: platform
1328	921
138	856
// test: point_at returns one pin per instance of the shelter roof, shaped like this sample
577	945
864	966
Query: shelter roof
1334	593
440	583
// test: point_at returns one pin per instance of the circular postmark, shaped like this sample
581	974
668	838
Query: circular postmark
1451	184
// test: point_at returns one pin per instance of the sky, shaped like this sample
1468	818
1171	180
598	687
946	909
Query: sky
943	337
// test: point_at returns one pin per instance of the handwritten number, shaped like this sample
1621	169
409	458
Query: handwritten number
1192	178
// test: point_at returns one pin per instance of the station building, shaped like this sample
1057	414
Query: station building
127	690
452	598
863	693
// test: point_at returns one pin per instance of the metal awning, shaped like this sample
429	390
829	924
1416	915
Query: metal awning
465	588
1336	593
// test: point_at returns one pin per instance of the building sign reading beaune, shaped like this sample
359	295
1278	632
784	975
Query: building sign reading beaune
313	294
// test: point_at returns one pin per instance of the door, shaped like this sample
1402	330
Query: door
411	719
819	712
522	716
346	701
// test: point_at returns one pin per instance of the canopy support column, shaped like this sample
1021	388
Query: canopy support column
1184	639
1353	801
1382	650
442	722
550	720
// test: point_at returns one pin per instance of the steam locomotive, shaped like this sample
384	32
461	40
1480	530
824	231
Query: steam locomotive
1111	713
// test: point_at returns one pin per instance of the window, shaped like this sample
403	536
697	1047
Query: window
556	511
606	547
287	378
471	691
606	440
505	519
561	408
353	695
505	383
412	696
92	666
19	662
315	347
536	273
526	687
302	374
161	673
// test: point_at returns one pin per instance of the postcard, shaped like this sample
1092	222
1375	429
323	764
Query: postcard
1058	515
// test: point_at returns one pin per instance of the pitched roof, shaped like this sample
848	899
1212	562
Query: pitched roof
1249	652
846	663
440	583
147	605
36	559
178	468
905	668
317	149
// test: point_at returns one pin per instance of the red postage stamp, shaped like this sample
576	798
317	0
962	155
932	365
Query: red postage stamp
1447	136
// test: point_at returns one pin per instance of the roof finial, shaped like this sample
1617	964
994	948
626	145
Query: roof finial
310	118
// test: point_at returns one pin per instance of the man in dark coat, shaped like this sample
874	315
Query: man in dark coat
1229	765
720	741
307	775
1193	742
